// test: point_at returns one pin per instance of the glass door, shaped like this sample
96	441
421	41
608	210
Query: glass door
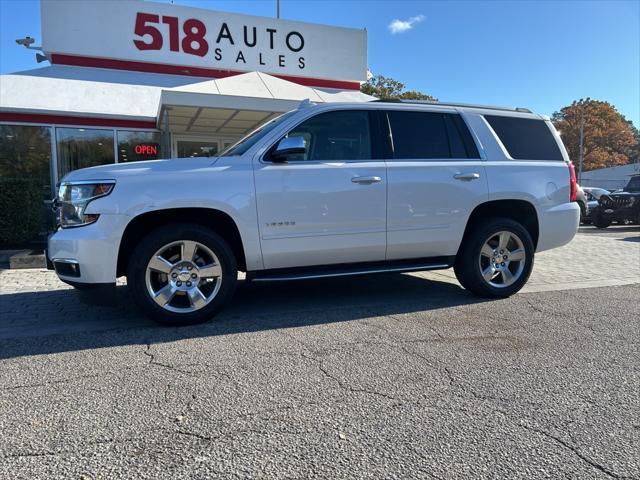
185	147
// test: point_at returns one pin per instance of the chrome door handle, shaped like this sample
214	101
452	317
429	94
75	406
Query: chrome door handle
466	177
366	180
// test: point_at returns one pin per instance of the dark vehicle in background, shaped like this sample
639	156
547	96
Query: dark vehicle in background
621	207
593	194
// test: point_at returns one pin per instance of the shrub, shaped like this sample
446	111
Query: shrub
20	209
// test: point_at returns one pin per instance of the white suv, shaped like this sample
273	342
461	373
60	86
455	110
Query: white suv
324	190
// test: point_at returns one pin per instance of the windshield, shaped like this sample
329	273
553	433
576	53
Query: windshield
596	193
633	185
250	140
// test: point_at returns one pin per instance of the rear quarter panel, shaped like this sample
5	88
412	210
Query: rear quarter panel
544	184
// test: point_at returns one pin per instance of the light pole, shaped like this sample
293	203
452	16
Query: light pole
581	146
277	8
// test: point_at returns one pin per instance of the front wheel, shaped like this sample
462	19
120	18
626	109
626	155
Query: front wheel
599	220
182	274
496	259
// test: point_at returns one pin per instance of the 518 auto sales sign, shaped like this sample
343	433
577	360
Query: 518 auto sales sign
165	34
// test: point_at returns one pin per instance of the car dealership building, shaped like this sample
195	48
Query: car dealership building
136	80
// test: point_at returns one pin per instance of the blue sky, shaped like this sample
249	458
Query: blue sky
540	55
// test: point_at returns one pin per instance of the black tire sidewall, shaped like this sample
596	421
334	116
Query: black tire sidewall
599	220
155	240
467	266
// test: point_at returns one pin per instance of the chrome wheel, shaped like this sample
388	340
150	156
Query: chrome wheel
183	276
502	259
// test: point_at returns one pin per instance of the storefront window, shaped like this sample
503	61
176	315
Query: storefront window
25	184
189	148
83	147
134	146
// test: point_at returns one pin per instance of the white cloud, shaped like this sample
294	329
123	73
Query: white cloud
401	26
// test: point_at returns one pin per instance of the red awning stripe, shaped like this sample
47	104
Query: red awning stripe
57	58
44	119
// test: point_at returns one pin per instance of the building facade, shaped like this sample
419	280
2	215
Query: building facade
612	178
135	80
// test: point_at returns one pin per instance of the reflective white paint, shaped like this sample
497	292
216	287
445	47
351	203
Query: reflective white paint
308	214
313	214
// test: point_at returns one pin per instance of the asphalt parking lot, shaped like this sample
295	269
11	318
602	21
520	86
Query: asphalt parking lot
391	376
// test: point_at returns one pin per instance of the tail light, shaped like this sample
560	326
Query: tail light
573	183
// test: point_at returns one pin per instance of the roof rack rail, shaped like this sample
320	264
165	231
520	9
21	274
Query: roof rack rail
453	104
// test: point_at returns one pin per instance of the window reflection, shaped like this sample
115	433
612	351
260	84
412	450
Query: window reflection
25	184
83	147
135	146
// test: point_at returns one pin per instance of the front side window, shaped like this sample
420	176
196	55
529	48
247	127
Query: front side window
430	135
337	135
525	138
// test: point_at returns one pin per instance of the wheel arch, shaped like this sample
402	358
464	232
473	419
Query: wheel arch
521	211
218	221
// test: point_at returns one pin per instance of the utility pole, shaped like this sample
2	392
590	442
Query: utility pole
581	147
277	8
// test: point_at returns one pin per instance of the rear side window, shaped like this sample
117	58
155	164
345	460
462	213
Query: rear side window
430	135
525	138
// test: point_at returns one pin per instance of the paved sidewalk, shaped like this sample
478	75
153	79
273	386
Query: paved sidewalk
595	258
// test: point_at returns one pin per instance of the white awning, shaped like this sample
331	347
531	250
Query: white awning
240	101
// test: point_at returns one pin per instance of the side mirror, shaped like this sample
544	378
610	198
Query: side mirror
288	147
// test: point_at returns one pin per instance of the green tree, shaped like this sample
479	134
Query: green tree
609	139
387	88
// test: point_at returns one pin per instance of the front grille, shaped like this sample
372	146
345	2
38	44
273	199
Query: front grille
615	202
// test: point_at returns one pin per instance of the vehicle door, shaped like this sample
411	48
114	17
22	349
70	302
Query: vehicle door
327	205
436	179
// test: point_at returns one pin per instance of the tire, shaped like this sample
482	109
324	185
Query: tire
583	211
600	221
166	261
482	246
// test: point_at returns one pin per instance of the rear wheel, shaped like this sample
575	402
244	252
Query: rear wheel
496	259
182	274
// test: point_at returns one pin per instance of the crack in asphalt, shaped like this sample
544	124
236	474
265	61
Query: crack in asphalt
57	382
346	386
573	449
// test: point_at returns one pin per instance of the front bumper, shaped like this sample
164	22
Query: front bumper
619	214
93	248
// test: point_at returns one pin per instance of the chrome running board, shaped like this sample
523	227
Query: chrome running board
342	271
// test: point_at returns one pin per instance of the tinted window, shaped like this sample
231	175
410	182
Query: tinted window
525	138
430	135
633	185
338	135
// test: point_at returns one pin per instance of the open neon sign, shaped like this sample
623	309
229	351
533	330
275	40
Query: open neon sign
146	149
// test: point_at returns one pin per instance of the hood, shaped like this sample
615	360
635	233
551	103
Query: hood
114	171
623	194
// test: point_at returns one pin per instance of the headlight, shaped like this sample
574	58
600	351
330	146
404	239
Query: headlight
73	198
